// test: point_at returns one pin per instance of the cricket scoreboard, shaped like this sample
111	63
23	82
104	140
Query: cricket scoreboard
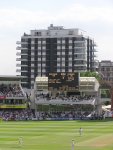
63	81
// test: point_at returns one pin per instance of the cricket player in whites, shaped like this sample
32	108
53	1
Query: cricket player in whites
80	131
20	141
73	145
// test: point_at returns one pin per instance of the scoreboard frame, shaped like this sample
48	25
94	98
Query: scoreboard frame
63	81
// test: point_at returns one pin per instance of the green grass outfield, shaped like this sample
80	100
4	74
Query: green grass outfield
56	135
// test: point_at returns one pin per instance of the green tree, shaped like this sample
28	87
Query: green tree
91	74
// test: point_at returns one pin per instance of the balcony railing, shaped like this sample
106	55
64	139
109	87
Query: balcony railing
18	70
18	54
18	65
81	64
18	48
18	42
18	59
79	41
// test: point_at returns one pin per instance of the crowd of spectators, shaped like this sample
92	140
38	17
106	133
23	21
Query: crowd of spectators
72	98
11	90
62	115
25	115
8	115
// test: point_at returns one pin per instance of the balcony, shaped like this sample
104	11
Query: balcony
94	55
84	65
19	42
80	52
18	53
24	48
18	59
80	58
79	47
94	50
18	48
79	41
18	70
94	44
18	65
25	53
21	59
21	48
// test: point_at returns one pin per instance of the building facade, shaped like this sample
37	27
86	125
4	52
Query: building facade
106	70
54	50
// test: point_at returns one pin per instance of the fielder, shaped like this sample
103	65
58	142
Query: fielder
80	131
73	145
20	141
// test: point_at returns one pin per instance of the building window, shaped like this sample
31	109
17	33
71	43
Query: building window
39	70
70	47
63	47
43	53
39	47
102	69
70	64
63	59
63	70
38	33
71	32
32	76
58	47
58	65
32	59
58	59
58	70
70	41
32	65
70	70
63	41
32	70
39	59
43	70
70	53
58	41
44	42
39	42
63	63
39	65
39	53
70	59
63	53
58	53
43	65
43	47
32	53
107	69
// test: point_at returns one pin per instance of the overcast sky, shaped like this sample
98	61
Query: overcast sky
19	16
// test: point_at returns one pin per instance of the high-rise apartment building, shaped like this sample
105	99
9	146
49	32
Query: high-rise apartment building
54	50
